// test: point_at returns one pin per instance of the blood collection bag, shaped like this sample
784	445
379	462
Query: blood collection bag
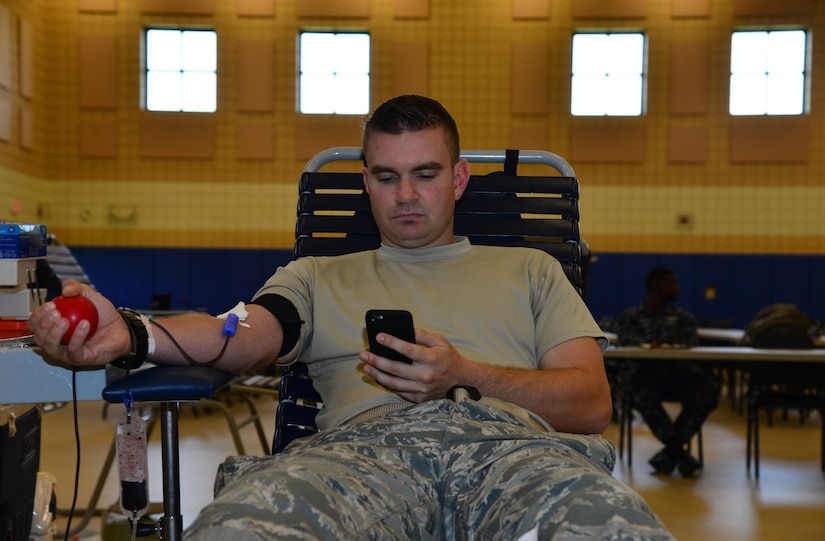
130	439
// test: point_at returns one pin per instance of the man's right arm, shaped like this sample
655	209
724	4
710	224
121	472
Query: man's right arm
199	335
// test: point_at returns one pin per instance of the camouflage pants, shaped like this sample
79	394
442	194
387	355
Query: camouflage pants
437	470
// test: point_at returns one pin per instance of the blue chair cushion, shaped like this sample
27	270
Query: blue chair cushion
168	384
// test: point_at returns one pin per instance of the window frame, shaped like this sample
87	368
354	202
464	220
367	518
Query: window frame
643	75
144	89
806	71
300	73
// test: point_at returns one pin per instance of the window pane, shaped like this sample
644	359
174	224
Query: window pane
163	50
588	95
786	52
749	52
623	95
626	54
164	91
198	92
316	93
200	51
352	53
315	53
747	94
784	95
352	94
588	57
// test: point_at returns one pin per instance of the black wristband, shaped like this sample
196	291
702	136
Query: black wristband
472	392
140	340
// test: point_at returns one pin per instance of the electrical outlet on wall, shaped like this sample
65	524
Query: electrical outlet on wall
684	221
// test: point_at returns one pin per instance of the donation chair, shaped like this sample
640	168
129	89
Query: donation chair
334	218
501	208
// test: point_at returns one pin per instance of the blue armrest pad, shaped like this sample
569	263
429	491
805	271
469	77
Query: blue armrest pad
168	384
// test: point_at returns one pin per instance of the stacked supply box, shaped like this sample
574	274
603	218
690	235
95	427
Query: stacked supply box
21	241
21	247
19	462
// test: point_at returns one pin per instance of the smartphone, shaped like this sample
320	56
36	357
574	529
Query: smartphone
398	323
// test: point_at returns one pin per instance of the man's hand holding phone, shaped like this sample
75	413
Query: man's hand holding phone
439	366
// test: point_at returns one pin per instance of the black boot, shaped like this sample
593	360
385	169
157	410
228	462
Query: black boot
663	462
688	465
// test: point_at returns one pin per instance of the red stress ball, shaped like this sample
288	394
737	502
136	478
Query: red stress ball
76	309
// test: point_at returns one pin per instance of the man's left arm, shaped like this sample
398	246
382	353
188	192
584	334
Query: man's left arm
569	391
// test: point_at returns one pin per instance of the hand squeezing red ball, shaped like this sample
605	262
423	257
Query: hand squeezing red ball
76	309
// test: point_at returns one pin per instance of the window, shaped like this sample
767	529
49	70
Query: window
181	70
608	74
767	73
335	73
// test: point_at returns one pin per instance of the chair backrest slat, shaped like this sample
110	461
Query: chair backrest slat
471	203
539	212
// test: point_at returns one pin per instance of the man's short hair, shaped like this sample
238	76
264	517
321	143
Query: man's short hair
412	113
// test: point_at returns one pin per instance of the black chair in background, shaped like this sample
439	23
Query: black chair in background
625	405
781	387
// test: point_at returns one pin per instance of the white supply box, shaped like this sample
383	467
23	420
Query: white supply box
18	273
20	304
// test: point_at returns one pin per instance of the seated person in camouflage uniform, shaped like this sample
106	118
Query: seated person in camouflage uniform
395	459
657	322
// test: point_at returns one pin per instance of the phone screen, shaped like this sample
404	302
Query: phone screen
398	323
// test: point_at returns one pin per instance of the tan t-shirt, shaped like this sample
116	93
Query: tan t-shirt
497	305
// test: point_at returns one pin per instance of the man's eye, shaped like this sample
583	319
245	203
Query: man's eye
425	176
386	178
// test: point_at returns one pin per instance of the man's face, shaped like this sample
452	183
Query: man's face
670	288
413	187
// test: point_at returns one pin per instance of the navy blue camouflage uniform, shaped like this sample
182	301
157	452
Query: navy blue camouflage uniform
679	381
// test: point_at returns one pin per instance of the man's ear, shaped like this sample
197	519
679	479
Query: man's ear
366	184
461	177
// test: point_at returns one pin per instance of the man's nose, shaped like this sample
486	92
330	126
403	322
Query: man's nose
406	192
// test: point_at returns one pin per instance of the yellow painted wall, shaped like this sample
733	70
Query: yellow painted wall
104	190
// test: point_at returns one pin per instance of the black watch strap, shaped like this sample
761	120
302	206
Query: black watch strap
140	340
